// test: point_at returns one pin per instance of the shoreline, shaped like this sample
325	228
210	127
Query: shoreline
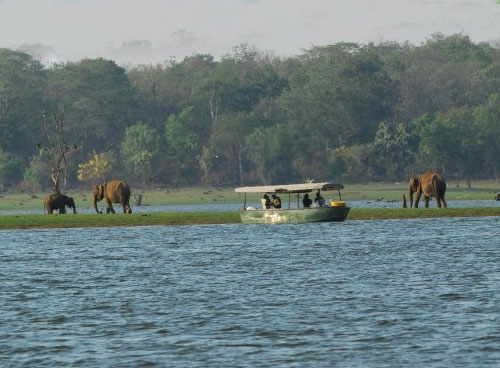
44	221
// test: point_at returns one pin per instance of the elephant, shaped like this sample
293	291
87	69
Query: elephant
58	202
114	191
431	185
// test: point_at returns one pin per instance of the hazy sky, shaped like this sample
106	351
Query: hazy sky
175	28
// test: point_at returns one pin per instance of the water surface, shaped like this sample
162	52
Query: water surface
356	294
215	207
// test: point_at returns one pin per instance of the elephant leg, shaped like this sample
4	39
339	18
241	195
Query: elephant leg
417	198
109	208
443	201
50	211
62	210
426	201
438	201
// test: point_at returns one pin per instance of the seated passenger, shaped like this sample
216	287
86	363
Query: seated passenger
306	201
319	200
276	201
266	202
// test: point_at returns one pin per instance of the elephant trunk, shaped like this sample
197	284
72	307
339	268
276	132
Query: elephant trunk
74	210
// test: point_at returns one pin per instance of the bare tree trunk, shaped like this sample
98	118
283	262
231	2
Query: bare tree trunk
57	148
214	106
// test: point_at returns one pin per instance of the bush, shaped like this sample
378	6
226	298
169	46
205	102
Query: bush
11	170
37	175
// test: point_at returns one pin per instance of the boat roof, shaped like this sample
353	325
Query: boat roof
289	188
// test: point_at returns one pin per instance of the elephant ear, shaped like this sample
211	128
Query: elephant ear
414	183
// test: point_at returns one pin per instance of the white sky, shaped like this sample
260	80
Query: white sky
176	28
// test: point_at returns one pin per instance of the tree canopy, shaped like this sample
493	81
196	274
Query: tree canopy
344	112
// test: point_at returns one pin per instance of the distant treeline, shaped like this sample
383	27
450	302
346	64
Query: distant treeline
343	112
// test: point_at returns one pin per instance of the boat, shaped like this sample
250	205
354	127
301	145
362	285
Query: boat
333	211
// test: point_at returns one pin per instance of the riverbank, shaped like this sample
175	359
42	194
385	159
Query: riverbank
203	218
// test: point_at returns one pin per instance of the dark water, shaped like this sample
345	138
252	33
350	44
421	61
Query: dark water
415	293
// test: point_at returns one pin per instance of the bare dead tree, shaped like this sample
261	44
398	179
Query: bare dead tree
56	147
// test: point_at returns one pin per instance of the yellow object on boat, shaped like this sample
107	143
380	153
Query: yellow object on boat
337	204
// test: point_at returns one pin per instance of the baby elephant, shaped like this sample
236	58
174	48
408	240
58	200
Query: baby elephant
59	202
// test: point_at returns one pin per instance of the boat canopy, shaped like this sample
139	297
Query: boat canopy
290	188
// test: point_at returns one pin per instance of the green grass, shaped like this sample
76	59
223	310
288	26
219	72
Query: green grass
197	218
95	220
481	190
412	213
165	196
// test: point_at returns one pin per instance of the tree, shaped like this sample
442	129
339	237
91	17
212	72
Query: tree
272	151
139	148
487	118
35	175
449	143
396	146
11	170
98	101
224	156
96	168
352	163
183	143
56	147
22	81
338	97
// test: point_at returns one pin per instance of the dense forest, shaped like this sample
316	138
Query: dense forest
344	112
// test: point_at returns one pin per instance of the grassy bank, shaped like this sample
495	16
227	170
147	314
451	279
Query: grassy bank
197	218
407	213
481	190
94	220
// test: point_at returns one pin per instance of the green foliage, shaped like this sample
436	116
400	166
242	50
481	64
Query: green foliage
271	152
224	158
344	111
352	163
139	148
396	145
11	170
97	99
449	142
37	176
180	134
183	142
487	118
21	93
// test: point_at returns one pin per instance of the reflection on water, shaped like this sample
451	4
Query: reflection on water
238	206
362	293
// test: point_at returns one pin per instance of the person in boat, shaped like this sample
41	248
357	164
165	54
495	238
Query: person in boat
266	202
276	201
306	201
319	200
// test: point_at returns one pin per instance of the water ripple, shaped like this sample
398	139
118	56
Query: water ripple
362	293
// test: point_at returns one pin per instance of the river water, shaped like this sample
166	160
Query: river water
215	207
413	293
